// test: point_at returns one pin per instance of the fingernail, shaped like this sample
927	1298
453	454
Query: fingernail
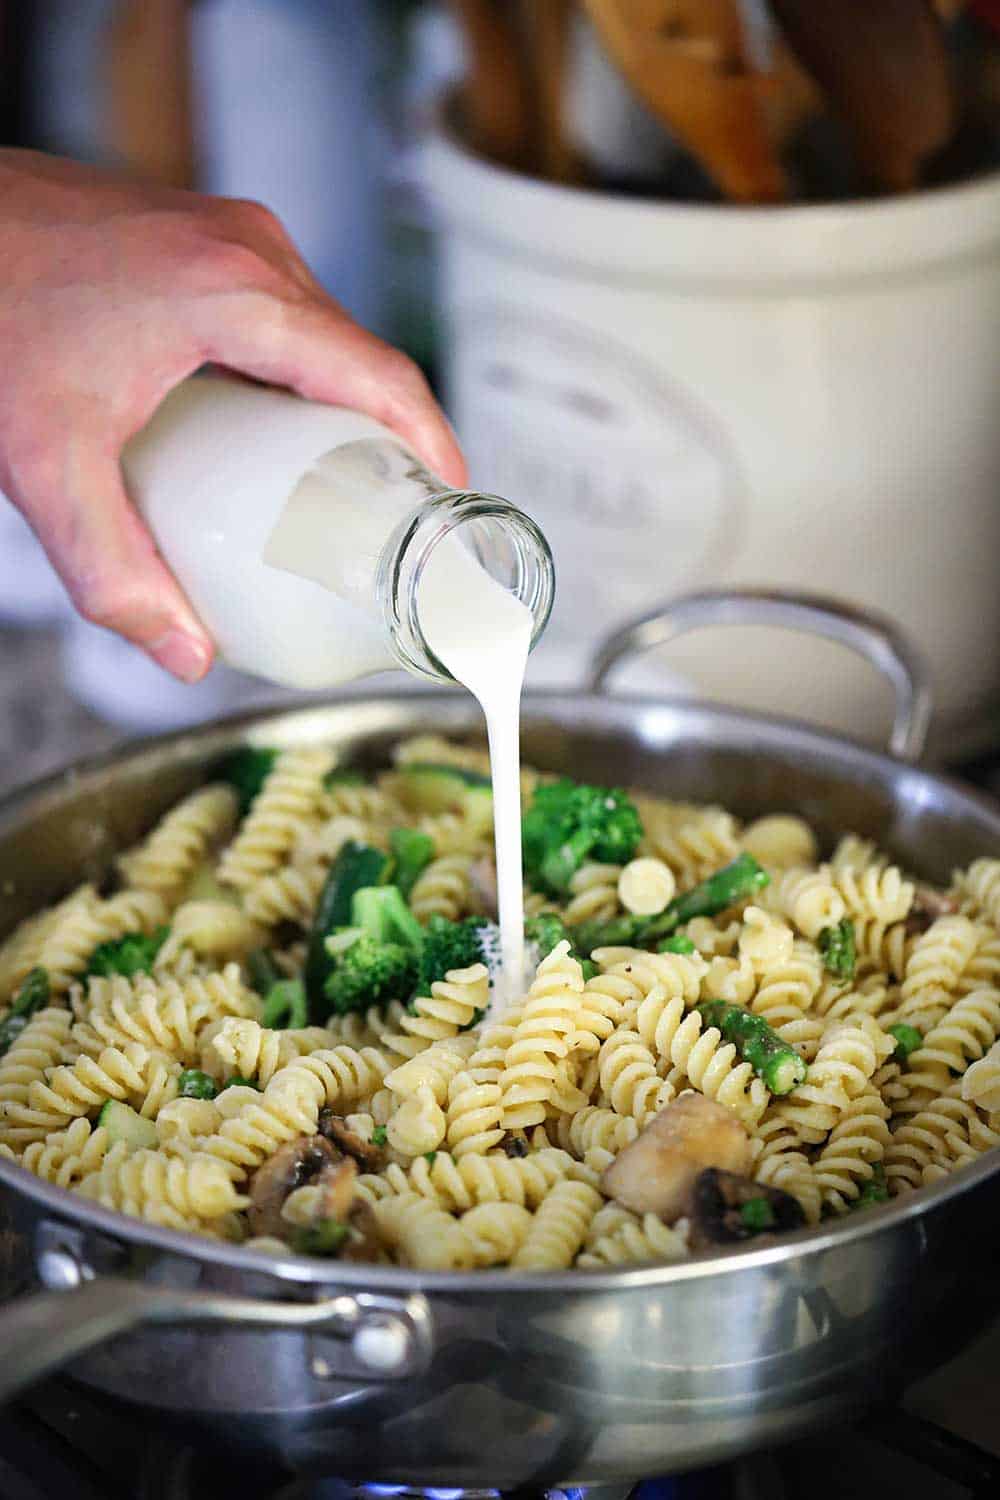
182	655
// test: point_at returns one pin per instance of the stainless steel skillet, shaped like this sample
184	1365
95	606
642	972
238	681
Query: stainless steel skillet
495	1379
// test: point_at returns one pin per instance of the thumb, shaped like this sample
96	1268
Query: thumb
102	551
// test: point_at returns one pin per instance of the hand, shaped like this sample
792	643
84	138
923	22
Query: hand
111	293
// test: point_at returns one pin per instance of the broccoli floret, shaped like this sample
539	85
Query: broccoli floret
453	945
132	954
568	823
369	972
377	958
547	931
246	770
412	852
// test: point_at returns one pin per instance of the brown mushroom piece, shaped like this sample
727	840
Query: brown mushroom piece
291	1166
928	904
725	1208
656	1173
335	1128
483	876
340	1225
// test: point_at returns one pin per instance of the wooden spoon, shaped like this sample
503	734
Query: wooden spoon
884	66
496	96
687	59
545	26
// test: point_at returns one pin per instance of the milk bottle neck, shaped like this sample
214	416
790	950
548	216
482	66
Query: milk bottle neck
474	531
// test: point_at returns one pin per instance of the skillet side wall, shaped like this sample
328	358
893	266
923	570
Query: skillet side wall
536	1386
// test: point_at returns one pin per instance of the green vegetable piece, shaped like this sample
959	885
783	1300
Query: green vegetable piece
33	993
285	1005
908	1039
432	788
123	1123
239	1082
343	776
619	932
262	970
430	1157
757	1214
379	1136
246	770
194	1084
875	1190
356	866
323	1238
720	891
547	931
679	943
32	996
132	954
838	949
451	945
568	823
412	852
773	1060
369	972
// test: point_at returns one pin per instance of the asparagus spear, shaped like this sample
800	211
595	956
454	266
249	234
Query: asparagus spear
721	890
32	996
838	949
778	1064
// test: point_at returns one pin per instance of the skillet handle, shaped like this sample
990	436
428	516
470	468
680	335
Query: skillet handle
388	1337
870	635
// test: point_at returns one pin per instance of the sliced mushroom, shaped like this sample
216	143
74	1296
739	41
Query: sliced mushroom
725	1208
291	1166
928	904
483	875
340	1224
656	1173
515	1145
336	1129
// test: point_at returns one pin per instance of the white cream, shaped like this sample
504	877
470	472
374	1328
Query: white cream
482	634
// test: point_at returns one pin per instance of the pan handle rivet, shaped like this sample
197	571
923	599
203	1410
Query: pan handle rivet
58	1270
382	1345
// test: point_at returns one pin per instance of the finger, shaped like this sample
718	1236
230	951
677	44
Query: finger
108	562
313	347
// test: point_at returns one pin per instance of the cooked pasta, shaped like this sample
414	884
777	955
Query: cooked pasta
467	1134
180	842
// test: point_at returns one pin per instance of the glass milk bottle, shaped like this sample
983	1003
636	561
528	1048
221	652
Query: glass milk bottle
303	533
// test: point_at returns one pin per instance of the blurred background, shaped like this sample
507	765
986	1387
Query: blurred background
710	287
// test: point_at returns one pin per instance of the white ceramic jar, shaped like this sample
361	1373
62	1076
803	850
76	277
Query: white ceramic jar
690	395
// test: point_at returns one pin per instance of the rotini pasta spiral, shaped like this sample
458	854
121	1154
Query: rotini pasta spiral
933	970
495	1232
981	1082
558	1228
632	1242
421	1234
69	1155
593	894
810	900
963	1035
780	841
853	1148
288	801
180	842
548	1018
875	893
455	1003
166	1190
944	1135
444	889
629	1077
474	1115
